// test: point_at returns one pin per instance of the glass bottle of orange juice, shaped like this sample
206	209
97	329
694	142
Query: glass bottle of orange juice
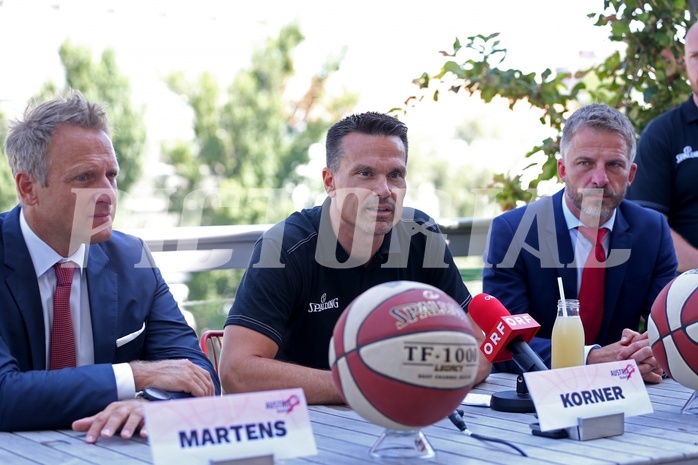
568	335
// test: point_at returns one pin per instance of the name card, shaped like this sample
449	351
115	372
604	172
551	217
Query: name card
564	395
198	430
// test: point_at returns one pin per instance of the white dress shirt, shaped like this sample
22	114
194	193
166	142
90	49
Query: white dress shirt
43	258
582	248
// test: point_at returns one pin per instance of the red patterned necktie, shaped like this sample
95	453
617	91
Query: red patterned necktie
62	354
591	292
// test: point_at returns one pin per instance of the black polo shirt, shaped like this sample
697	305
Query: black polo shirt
667	169
300	280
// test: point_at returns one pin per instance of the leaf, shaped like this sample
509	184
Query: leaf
642	76
456	46
453	67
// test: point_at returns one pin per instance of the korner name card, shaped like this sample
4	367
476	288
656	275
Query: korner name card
564	395
198	430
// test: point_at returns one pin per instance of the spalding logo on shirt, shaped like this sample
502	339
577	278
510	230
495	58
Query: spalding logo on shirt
323	305
686	154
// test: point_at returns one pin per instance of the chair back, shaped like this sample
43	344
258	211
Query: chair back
211	342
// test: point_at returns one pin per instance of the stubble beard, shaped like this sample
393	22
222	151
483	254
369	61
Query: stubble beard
371	226
586	202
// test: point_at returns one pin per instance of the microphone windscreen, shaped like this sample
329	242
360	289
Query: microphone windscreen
486	311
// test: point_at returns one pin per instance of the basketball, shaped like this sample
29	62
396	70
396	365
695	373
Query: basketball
673	329
403	355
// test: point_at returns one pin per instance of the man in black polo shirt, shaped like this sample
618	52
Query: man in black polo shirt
306	270
667	165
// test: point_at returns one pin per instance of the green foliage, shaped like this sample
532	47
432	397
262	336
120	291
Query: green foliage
102	82
649	78
444	188
218	287
645	81
248	140
509	191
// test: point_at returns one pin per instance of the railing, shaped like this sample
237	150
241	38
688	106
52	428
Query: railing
201	248
181	251
190	249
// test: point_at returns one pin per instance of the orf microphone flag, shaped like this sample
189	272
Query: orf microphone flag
506	338
500	326
507	335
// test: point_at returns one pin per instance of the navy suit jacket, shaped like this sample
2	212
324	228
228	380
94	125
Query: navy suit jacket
125	290
530	247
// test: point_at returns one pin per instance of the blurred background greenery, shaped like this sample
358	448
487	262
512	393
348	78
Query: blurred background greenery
253	151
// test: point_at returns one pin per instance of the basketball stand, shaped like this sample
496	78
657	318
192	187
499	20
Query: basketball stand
402	444
691	405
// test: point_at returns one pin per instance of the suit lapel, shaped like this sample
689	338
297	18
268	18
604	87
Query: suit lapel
621	243
103	289
24	288
562	245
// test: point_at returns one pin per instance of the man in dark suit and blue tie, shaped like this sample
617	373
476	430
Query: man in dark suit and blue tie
530	247
86	320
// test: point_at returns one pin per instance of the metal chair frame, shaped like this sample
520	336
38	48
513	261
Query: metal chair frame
211	342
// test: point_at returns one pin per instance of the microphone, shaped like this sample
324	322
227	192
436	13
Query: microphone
506	338
507	335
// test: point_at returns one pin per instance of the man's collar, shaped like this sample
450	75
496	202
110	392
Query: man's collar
573	222
42	255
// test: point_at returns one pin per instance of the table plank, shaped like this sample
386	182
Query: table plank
344	438
73	449
26	450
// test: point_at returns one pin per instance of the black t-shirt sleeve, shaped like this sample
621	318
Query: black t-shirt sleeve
265	297
654	178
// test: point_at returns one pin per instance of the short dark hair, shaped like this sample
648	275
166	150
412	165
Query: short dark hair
371	123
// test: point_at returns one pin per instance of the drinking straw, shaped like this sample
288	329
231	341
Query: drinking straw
562	295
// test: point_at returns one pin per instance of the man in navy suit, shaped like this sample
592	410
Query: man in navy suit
530	247
127	331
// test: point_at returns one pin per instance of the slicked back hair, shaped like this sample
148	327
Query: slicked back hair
599	117
28	139
370	123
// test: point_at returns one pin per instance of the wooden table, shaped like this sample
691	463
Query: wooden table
344	438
